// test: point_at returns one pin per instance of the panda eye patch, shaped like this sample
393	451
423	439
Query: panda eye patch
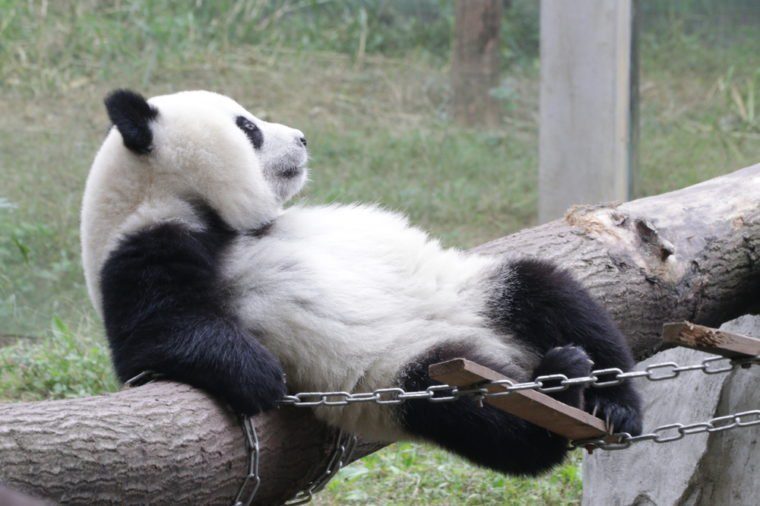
251	130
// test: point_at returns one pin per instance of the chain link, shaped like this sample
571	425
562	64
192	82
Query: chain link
674	431
341	455
600	378
251	483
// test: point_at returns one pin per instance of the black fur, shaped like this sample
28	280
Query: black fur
486	435
164	311
132	114
545	307
251	130
571	361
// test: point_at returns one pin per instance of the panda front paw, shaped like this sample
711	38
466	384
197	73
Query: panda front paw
260	388
621	410
572	361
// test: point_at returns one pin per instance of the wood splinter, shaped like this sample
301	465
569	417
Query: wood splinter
530	405
710	340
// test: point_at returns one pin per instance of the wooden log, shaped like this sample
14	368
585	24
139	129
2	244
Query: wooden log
535	407
692	255
161	443
710	340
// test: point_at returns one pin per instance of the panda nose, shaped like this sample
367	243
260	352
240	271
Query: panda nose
302	140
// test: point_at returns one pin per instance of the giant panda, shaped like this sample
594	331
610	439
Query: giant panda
202	275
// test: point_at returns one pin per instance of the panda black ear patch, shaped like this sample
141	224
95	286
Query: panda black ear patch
132	114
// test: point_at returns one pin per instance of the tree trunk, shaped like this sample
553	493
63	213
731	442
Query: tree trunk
475	61
692	254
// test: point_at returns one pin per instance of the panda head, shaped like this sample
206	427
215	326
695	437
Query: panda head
199	145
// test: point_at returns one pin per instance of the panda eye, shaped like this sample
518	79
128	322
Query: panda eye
251	130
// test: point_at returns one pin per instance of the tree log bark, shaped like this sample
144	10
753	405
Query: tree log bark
161	443
691	254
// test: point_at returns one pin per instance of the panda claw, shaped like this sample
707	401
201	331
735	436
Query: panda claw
617	414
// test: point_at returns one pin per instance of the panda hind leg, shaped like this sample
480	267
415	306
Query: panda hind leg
543	306
483	434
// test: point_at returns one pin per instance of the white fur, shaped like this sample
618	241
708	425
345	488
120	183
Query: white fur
344	296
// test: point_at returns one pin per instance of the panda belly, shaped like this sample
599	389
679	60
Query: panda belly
346	305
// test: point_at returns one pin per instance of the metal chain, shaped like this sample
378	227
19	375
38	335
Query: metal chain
251	483
674	431
600	378
345	443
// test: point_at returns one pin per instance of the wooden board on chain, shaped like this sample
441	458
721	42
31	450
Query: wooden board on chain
530	405
710	340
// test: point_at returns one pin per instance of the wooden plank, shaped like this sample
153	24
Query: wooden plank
535	407
710	340
587	103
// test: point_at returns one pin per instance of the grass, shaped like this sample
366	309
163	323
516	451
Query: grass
69	364
414	474
379	131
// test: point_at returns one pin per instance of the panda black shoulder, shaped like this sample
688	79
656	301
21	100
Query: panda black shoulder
164	310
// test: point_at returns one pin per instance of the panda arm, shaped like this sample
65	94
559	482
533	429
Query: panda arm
164	312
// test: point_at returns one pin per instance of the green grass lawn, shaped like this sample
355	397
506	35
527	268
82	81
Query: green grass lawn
378	131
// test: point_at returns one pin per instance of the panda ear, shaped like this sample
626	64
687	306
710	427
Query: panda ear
131	114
